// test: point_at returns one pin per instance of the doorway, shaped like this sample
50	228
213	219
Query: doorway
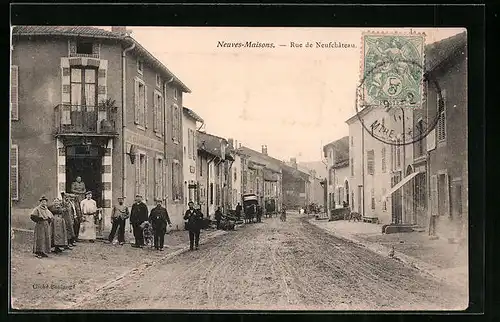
85	162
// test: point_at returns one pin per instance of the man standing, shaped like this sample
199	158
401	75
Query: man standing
159	220
138	215
238	211
194	219
119	216
68	216
218	217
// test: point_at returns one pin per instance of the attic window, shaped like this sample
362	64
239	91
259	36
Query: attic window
84	47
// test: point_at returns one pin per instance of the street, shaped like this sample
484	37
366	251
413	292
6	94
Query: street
276	265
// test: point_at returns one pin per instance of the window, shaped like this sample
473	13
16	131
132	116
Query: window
158	113
200	165
158	81
176	181
175	93
235	174
384	166
176	126
190	143
441	126
211	193
14	93
141	175
83	83
352	140
373	199
419	128
159	178
14	172
370	156
140	67
84	47
140	103
352	166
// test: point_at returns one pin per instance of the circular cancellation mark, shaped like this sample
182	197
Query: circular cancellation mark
395	111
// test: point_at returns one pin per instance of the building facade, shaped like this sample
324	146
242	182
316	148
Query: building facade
336	154
443	153
88	78
190	151
235	182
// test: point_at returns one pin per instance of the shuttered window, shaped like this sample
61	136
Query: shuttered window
158	177
140	100
176	126
352	166
194	144
176	181
441	126
14	172
14	93
158	113
190	143
370	157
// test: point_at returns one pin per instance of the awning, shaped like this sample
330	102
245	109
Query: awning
401	183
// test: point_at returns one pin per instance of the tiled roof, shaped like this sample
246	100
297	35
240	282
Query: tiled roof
341	148
212	144
438	52
192	114
93	32
65	31
270	162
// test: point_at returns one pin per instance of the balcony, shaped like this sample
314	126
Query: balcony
84	120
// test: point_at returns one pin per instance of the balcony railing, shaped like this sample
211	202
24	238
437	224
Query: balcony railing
84	119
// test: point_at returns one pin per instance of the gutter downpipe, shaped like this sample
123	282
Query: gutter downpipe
124	113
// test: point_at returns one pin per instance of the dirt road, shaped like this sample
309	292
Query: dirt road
275	265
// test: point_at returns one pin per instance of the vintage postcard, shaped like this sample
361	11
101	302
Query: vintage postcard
183	168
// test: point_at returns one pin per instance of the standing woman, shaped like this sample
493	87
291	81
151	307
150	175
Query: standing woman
194	220
58	227
89	210
42	217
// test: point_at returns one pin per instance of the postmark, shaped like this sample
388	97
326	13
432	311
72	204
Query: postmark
391	90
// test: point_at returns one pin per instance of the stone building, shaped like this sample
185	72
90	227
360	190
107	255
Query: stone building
190	150
93	103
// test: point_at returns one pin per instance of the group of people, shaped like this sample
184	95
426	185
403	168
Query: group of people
60	225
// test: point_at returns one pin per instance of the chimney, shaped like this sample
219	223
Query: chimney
293	161
122	30
264	149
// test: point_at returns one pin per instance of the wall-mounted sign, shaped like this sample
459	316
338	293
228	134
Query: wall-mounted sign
192	169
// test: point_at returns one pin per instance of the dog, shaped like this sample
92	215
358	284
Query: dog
355	216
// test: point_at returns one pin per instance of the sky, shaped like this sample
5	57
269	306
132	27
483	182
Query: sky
294	100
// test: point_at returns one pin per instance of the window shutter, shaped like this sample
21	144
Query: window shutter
146	106
138	174
383	160
433	195
136	102
14	92
146	179
195	147
155	112
446	195
190	147
14	173
165	180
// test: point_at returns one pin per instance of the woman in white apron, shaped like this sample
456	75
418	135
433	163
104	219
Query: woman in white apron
89	211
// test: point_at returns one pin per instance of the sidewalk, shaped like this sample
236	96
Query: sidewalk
69	277
438	258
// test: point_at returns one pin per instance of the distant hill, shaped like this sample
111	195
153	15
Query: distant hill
317	166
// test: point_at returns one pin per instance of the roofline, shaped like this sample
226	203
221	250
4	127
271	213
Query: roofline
192	114
125	39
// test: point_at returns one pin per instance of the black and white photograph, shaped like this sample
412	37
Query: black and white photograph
238	168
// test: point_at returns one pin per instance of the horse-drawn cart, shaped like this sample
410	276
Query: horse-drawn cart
250	203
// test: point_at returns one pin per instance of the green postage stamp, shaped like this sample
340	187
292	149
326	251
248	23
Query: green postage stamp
392	69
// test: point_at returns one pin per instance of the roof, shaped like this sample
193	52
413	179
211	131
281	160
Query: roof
295	172
341	148
270	162
93	32
317	166
192	114
440	51
270	175
211	144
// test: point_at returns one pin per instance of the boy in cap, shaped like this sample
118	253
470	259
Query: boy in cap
119	216
159	219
